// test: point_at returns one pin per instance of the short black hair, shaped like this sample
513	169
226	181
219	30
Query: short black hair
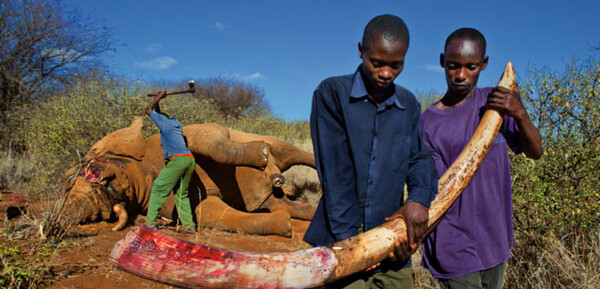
388	26
466	33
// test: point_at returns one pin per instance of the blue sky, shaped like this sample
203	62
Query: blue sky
287	47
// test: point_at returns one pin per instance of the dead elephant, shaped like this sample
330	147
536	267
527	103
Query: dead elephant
237	185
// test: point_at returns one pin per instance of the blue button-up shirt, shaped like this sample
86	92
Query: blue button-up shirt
365	154
171	135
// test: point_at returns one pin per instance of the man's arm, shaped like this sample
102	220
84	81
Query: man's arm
334	164
153	105
509	102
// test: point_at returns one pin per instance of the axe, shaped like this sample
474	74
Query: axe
191	89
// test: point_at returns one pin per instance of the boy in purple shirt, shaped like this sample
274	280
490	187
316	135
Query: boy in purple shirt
470	246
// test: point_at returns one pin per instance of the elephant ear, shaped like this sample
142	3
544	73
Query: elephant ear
127	141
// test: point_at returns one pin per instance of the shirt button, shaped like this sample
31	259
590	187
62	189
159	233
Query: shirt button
367	205
373	158
370	182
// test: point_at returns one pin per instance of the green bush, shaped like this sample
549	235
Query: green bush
556	199
25	267
559	193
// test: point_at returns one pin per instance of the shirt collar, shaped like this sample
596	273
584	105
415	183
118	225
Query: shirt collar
360	91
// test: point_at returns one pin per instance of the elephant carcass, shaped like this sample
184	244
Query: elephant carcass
236	173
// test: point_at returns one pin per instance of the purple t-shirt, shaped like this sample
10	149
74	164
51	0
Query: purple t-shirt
477	231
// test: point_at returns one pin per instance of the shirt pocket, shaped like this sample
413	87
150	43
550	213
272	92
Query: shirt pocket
401	153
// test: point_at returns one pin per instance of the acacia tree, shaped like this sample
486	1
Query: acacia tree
44	44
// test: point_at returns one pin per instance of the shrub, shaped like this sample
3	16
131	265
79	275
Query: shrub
25	267
232	98
557	214
559	193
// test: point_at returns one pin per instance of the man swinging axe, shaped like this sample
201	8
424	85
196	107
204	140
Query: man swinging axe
179	165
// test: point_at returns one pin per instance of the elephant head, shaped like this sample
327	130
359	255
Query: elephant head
113	178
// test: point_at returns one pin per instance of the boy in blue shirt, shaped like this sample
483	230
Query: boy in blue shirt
367	147
179	166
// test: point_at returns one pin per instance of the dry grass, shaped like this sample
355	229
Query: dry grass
423	279
540	262
15	170
547	262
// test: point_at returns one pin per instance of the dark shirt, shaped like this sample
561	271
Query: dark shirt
364	156
171	135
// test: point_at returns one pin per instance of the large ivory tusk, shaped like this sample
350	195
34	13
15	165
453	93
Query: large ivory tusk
155	256
122	217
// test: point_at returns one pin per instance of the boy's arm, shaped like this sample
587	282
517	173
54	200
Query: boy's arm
153	105
509	102
334	164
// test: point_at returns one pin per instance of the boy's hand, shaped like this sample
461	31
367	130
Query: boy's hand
160	95
416	217
507	101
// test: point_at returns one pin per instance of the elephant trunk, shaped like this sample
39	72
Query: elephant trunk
86	207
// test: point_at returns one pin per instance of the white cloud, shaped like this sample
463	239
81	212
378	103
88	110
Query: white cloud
431	67
253	76
158	63
218	26
248	78
154	47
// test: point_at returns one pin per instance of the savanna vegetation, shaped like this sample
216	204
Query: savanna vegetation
58	99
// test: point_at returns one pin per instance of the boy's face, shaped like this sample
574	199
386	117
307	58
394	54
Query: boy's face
383	60
462	62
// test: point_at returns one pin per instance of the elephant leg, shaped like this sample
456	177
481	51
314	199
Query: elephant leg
213	141
287	155
297	210
214	213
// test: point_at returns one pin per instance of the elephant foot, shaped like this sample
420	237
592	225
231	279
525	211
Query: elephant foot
254	153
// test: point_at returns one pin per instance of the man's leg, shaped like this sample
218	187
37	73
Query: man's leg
402	278
163	184
494	278
388	279
490	279
182	200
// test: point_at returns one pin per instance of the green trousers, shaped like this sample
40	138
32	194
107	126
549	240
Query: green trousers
388	278
177	170
491	279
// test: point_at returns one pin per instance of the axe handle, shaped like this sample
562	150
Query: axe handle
190	90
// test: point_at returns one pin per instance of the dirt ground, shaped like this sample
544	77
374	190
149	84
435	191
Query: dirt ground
83	261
